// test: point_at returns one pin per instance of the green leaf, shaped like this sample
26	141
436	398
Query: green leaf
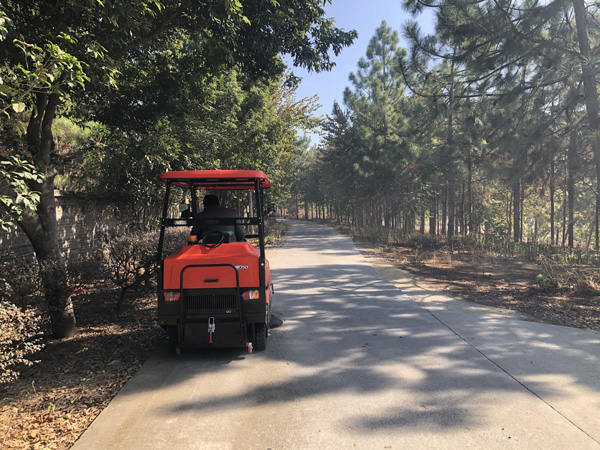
18	107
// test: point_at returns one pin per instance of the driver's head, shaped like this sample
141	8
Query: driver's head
210	200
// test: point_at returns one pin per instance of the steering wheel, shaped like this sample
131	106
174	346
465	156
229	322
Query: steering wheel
212	239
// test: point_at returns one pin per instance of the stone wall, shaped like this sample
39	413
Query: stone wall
79	227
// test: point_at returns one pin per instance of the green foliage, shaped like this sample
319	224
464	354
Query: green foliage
223	122
377	235
80	42
545	282
376	106
374	163
77	136
44	67
51	52
19	339
494	139
16	196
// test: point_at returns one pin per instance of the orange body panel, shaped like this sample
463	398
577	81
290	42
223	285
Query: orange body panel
240	254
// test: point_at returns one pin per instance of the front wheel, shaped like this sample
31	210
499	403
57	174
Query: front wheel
260	339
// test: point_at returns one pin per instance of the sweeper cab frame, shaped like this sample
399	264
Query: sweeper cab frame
213	292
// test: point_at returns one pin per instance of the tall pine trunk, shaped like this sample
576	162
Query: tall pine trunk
450	152
571	169
433	216
596	226
444	209
517	209
552	200
590	90
470	194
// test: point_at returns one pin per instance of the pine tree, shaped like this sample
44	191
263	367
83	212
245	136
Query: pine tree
376	103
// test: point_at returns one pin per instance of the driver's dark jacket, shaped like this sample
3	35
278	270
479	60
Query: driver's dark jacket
218	212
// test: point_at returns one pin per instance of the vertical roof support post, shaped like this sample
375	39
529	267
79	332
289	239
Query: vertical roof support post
194	200
162	224
261	236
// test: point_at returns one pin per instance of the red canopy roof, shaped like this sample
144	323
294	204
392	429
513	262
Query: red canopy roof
216	179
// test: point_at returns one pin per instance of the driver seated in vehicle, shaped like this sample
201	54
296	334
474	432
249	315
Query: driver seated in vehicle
213	210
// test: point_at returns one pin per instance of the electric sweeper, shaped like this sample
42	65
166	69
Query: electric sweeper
216	291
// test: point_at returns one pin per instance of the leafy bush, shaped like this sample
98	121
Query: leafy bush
424	241
131	258
546	282
88	268
376	235
19	278
274	231
19	338
174	239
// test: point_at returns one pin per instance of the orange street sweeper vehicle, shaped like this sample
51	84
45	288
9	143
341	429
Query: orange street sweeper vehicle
216	291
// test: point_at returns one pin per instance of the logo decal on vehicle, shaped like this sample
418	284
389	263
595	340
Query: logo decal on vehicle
241	267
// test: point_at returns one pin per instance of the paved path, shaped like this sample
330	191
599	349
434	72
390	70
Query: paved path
362	364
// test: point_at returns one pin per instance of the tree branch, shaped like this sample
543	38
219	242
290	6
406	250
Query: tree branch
163	27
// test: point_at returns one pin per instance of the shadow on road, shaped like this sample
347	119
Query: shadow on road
350	338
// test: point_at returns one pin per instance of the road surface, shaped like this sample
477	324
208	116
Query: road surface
361	363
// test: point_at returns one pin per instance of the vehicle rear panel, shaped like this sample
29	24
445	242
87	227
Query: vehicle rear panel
242	255
210	290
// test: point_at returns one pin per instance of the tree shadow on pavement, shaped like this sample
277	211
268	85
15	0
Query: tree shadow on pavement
357	343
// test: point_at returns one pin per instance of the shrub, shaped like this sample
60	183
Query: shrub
132	260
546	282
87	269
19	278
174	239
274	231
19	338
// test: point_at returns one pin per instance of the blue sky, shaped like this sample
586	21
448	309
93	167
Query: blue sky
365	17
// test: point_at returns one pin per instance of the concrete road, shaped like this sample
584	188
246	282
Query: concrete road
360	363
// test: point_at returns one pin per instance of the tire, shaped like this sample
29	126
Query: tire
260	340
173	338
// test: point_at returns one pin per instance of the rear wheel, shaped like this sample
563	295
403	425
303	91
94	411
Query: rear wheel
260	340
173	338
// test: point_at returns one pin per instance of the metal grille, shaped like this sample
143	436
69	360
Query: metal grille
214	301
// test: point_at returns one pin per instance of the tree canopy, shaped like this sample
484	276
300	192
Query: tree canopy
166	83
491	130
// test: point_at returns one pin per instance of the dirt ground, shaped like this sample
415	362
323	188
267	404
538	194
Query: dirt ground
508	283
55	400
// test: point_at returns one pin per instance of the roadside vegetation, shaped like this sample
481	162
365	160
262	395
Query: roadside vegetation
484	133
548	284
479	142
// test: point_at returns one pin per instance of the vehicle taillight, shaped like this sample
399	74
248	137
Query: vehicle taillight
171	296
250	295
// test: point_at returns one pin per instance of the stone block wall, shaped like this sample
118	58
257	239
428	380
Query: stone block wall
79	227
